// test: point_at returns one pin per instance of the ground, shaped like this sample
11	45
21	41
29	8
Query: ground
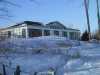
63	56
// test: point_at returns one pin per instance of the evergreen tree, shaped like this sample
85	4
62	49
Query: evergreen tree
85	36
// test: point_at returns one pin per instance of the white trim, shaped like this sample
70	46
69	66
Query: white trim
42	32
27	34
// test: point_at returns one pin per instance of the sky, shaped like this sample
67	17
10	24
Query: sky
71	13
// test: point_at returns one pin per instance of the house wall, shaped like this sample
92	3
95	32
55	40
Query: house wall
74	36
17	32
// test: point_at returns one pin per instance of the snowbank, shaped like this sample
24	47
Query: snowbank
34	63
37	43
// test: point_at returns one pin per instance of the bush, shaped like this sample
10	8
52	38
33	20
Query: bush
5	50
77	55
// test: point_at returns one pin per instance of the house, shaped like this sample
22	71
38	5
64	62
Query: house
29	29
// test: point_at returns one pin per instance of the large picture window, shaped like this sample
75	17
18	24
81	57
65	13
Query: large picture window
35	32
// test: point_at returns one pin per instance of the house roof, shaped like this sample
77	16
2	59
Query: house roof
33	23
27	23
58	25
51	25
55	25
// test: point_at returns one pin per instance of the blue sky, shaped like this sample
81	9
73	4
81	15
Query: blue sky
69	13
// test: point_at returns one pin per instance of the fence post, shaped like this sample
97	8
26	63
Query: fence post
4	70
35	73
17	72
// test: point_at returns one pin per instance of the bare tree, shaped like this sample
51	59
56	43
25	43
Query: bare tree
5	13
4	8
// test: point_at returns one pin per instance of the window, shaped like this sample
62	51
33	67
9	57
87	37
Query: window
35	32
9	34
56	32
64	34
46	32
23	33
72	35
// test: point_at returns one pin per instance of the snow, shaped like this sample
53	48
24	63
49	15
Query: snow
38	62
73	64
66	57
33	63
40	42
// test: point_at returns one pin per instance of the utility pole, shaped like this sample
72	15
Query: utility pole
87	16
98	15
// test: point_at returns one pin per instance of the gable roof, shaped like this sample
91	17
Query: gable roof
58	25
55	25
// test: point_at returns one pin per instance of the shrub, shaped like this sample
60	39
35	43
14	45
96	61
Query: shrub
76	55
5	50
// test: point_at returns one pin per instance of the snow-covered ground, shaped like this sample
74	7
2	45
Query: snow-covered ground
65	57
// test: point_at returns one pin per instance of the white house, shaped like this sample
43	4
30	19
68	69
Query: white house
28	29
